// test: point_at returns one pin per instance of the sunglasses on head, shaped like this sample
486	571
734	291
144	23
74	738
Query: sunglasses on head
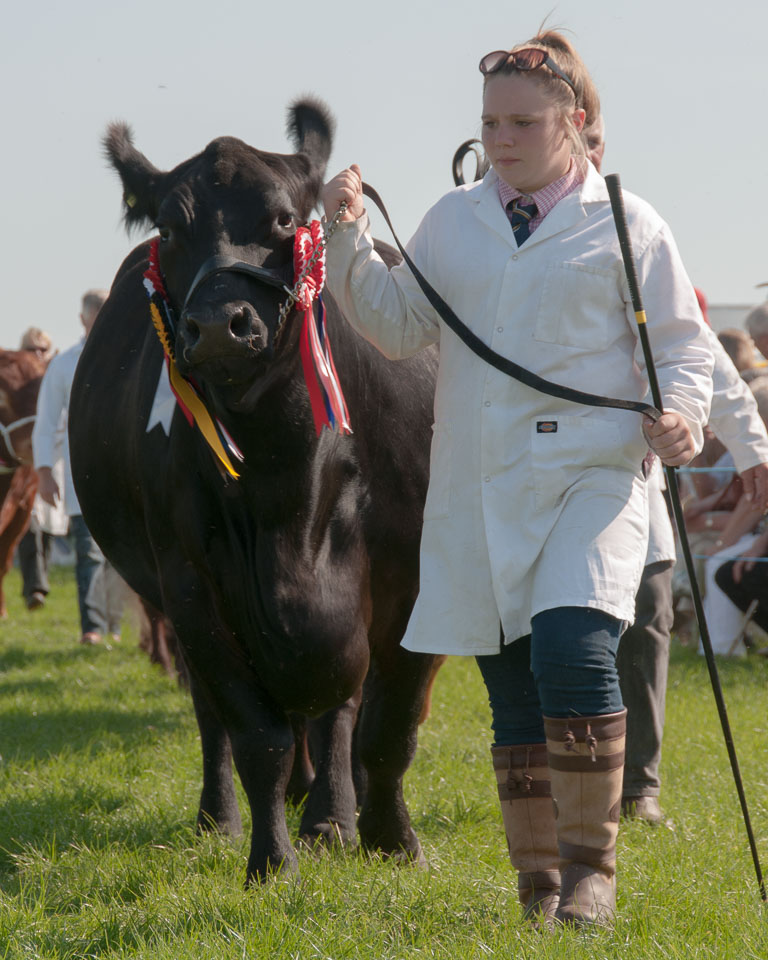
527	58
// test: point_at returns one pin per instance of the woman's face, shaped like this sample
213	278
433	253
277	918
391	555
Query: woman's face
524	133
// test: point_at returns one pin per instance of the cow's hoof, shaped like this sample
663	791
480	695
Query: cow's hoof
407	856
226	825
285	870
326	836
411	858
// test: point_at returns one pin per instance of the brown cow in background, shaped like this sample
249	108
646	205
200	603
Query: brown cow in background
20	374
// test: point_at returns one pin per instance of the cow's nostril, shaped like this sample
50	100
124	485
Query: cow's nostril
240	324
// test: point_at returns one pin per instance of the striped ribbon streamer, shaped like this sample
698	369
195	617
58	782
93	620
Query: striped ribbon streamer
188	394
329	409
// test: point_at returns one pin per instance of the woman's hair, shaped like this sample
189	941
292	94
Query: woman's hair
739	346
566	57
36	340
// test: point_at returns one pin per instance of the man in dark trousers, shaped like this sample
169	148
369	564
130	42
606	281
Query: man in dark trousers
643	656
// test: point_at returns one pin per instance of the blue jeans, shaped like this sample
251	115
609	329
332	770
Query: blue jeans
89	573
566	667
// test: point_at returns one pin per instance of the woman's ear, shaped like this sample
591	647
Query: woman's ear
578	117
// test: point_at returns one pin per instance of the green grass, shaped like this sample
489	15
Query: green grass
99	782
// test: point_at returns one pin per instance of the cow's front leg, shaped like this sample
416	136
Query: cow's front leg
262	744
218	802
263	749
329	814
392	703
233	705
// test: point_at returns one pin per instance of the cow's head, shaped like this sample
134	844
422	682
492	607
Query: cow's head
233	201
20	374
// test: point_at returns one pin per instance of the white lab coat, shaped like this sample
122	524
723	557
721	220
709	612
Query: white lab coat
521	517
50	441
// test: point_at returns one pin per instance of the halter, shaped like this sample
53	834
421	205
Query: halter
14	461
325	394
224	264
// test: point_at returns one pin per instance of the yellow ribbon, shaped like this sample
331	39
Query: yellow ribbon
190	399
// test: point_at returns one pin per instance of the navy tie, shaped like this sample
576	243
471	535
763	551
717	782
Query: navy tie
520	216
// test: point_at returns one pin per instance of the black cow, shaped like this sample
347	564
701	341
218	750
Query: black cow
292	585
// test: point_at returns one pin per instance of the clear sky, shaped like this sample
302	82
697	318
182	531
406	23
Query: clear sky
683	85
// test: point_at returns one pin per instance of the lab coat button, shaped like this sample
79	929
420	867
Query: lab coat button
500	329
487	403
487	479
514	256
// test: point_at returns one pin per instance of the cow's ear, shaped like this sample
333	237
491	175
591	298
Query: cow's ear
310	128
141	180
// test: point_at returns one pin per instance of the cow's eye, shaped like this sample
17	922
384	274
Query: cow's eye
284	220
165	233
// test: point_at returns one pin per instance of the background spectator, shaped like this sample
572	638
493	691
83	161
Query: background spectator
46	521
739	346
757	326
50	444
740	530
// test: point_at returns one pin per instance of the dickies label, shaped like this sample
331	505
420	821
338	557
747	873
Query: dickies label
546	426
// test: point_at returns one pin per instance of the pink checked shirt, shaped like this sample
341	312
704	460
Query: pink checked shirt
546	198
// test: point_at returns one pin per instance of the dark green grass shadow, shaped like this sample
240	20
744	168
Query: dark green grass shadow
26	739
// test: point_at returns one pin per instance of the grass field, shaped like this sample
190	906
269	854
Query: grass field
99	782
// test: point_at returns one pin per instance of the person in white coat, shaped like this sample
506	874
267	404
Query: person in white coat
643	657
50	447
536	515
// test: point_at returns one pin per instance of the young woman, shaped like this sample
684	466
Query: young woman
536	514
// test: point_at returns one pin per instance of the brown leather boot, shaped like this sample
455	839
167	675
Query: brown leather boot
586	761
529	822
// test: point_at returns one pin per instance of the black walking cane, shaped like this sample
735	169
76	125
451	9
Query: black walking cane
620	218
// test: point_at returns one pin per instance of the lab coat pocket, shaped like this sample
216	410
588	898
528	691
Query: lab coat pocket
578	306
565	450
439	493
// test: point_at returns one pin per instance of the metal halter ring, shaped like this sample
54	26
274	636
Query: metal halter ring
294	293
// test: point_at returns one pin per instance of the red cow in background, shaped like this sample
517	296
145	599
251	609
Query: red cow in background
20	374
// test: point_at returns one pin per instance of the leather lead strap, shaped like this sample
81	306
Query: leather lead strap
509	367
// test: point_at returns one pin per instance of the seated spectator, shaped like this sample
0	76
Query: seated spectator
740	534
721	523
757	327
746	579
739	346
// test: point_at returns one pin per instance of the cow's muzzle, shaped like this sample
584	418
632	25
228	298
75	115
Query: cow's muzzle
232	329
